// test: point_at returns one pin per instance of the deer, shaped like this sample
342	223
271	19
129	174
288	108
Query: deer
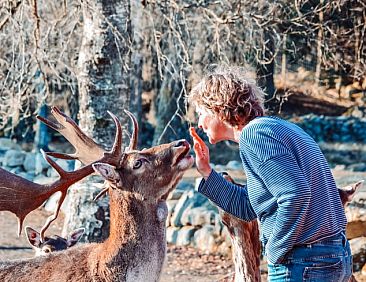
137	182
246	246
53	243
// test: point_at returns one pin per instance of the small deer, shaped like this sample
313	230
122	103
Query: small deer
52	244
138	183
245	239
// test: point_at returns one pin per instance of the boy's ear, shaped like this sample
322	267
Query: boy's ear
74	237
33	237
108	172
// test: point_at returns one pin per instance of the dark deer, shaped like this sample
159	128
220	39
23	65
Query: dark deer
245	239
53	243
138	184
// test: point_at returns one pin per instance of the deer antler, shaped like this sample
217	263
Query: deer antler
21	196
87	151
134	136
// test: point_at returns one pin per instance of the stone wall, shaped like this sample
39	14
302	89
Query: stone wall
328	129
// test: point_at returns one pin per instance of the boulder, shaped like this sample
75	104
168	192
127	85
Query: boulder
29	163
51	172
8	144
41	164
189	200
185	235
205	239
358	248
13	158
172	234
171	206
356	218
234	165
198	216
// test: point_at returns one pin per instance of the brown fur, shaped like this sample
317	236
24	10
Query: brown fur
135	249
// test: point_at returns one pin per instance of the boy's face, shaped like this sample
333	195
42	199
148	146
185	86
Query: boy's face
215	129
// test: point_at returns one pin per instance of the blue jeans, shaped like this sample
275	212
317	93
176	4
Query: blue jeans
327	260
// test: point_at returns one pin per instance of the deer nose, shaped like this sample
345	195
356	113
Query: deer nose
181	143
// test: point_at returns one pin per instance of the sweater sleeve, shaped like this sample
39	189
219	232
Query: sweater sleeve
286	182
228	196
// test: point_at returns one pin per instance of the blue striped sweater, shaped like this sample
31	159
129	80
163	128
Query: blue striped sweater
290	187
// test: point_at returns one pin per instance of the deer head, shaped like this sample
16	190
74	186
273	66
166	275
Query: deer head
52	244
161	166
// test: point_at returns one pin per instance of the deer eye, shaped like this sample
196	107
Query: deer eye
137	164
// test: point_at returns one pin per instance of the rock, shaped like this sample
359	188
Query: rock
175	194
16	170
205	239
13	158
357	167
185	235
198	216
358	248
224	248
339	167
26	175
220	168
172	234
234	165
7	144
197	182
51	172
189	199
29	163
52	201
171	206
218	224
41	164
42	179
180	189
356	218
184	185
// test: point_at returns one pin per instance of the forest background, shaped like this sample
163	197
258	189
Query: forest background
87	57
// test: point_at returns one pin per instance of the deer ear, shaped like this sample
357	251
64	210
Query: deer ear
74	237
354	187
33	237
107	171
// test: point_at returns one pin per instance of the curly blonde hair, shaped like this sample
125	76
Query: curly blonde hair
228	93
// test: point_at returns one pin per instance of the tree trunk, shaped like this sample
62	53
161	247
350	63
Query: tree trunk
104	65
138	24
265	68
104	84
319	48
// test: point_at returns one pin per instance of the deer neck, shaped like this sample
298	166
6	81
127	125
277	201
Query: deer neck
136	234
246	250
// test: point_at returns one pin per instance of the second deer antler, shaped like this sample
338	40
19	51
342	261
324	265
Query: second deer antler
21	196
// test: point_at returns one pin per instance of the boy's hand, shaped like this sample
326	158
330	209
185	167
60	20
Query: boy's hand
202	154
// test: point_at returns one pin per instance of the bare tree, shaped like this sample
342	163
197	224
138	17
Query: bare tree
104	83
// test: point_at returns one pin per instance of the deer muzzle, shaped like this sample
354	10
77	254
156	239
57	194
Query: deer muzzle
181	150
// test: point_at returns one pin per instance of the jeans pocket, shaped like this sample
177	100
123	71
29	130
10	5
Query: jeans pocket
324	271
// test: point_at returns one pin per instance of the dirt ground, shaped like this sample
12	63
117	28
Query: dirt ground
182	263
